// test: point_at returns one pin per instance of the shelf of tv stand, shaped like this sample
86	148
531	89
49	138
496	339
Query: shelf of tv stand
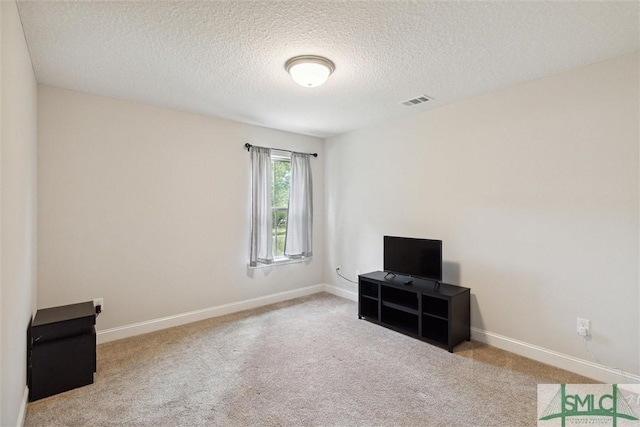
400	307
436	314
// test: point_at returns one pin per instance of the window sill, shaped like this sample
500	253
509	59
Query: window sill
280	261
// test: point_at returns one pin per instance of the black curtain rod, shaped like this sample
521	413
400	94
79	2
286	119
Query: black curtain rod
248	147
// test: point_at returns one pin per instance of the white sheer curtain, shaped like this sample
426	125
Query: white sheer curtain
300	219
261	215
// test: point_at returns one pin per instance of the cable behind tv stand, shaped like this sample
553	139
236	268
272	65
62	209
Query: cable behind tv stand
424	309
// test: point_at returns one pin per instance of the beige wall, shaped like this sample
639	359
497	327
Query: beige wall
18	213
149	209
534	192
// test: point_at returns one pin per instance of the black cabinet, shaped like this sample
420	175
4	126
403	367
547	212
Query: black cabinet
62	349
437	314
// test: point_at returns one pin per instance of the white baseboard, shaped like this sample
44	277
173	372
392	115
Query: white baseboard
583	367
341	292
23	407
579	366
550	357
206	313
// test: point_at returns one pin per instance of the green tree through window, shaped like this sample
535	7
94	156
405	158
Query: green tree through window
280	183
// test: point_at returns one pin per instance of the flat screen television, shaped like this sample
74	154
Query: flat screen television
413	257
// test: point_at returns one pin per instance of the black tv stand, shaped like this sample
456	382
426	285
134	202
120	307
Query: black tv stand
438	314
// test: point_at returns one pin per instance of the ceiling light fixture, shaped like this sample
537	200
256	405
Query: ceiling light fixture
309	70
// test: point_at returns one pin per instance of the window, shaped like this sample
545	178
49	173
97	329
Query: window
280	185
281	206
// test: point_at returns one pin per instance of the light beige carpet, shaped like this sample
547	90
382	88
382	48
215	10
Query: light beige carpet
306	362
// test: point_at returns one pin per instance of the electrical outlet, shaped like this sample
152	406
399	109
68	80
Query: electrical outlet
99	302
583	327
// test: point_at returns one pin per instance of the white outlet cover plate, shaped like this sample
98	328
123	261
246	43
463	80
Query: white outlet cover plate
583	324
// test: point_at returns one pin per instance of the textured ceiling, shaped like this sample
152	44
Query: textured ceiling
226	58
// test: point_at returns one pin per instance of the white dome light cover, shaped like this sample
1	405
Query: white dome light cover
309	70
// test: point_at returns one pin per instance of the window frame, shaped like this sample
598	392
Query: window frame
279	157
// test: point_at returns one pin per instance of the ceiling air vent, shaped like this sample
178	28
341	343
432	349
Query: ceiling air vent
415	101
